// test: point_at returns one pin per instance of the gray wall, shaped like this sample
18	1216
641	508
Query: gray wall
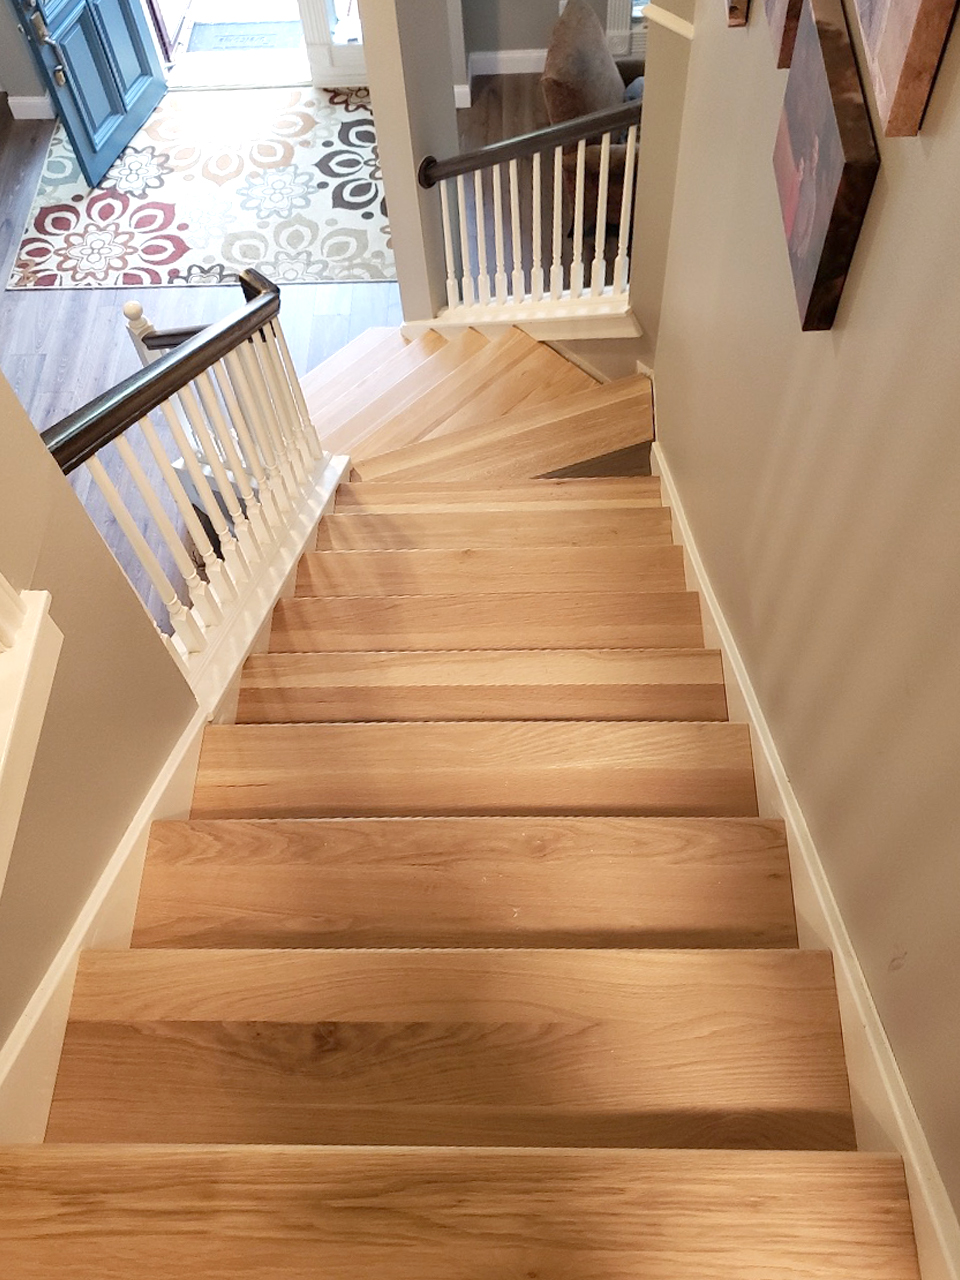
821	476
513	24
117	707
18	74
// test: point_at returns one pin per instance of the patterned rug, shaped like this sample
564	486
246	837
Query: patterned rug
285	180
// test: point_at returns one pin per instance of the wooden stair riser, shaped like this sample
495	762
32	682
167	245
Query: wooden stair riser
518	767
611	684
543	882
457	1047
561	569
564	495
480	531
452	1214
547	620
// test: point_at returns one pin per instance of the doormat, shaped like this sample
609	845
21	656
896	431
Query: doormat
229	37
284	180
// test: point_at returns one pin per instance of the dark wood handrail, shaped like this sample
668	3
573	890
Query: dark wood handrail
164	339
83	433
433	170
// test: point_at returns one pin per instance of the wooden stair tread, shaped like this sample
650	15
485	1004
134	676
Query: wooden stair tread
505	1047
472	881
483	531
462	620
592	684
491	571
506	767
357	434
539	378
529	443
452	1214
339	372
469	384
592	495
371	379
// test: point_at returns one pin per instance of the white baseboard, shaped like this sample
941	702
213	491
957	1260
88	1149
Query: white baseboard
462	96
27	108
31	1054
505	62
884	1116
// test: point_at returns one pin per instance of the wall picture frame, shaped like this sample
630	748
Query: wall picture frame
782	19
903	43
825	160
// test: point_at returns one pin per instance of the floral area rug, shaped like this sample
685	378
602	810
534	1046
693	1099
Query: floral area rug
284	180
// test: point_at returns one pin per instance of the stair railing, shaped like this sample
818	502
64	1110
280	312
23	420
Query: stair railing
224	463
572	207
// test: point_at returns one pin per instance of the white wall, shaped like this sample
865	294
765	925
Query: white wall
513	24
820	475
117	707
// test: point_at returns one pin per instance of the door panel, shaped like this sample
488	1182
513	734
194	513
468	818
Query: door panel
102	71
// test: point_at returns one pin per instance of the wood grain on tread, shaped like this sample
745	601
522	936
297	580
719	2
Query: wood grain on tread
541	377
572	684
101	1213
543	882
491	571
592	495
530	442
548	620
471	382
592	1048
488	767
357	434
322	386
481	531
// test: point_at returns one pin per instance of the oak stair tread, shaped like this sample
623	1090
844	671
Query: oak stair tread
483	767
529	443
532	882
451	1214
489	571
589	684
459	1046
480	531
611	493
464	620
339	372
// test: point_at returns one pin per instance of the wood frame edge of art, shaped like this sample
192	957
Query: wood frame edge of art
912	68
738	12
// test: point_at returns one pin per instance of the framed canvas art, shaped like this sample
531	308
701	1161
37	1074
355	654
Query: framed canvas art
782	19
825	160
903	42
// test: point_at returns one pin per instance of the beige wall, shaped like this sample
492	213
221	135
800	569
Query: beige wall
513	24
117	707
821	476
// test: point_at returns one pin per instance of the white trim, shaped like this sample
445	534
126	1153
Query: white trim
619	22
31	1054
31	108
505	62
664	18
548	321
883	1112
462	96
26	678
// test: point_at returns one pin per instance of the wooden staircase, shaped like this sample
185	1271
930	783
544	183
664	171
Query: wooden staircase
474	960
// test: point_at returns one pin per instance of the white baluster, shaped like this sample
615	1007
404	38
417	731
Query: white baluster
138	326
556	271
218	588
307	424
256	420
453	290
183	621
466	265
11	614
198	590
251	451
226	579
536	266
518	281
293	481
276	415
500	280
598	275
576	266
244	550
253	517
621	268
483	274
287	408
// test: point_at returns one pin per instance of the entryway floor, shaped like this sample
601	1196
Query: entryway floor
237	68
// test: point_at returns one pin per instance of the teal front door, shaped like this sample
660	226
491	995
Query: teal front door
98	60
